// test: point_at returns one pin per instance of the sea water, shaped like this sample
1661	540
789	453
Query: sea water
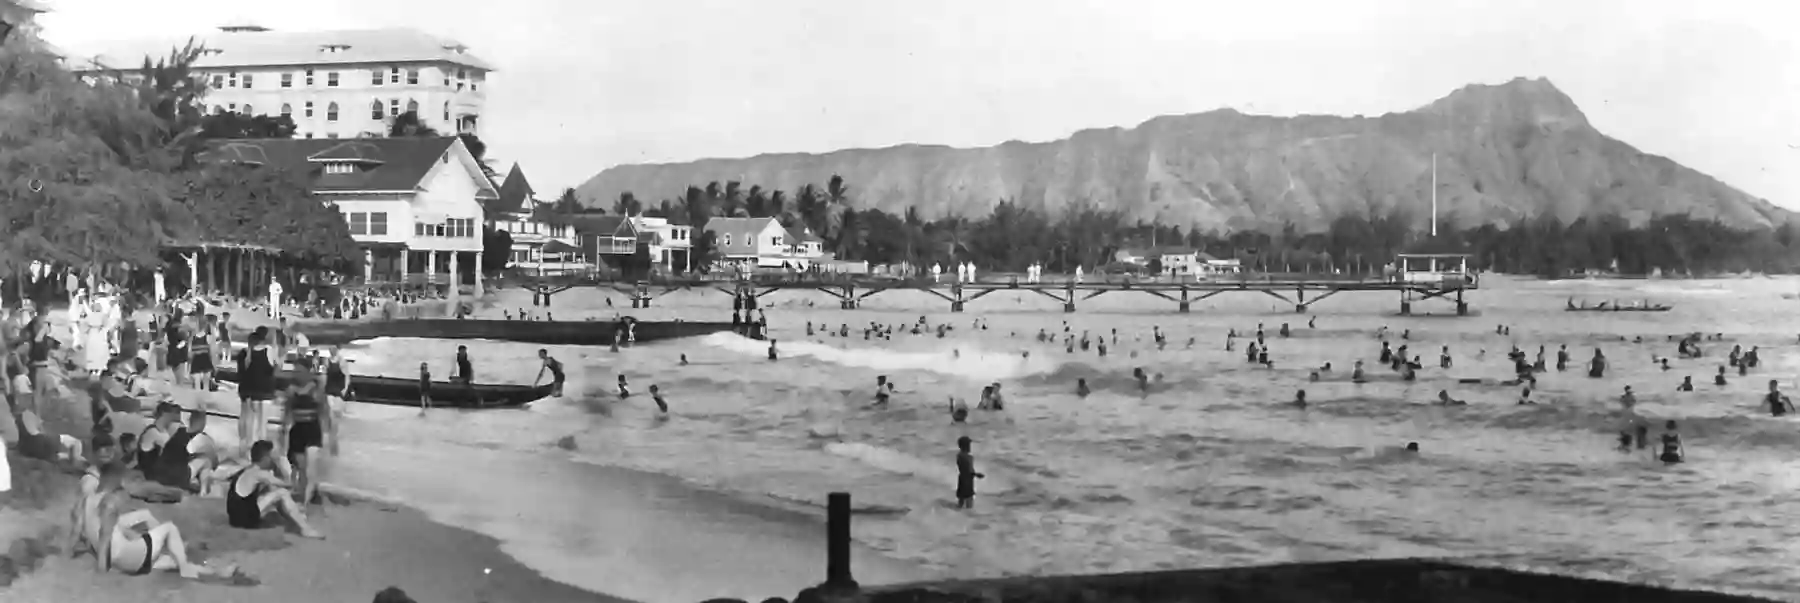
1209	467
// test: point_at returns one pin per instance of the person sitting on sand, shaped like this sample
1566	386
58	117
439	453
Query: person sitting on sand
136	542
153	439
39	444
255	491
187	458
121	391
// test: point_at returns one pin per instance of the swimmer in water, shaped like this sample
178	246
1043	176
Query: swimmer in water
662	406
684	360
881	390
624	388
959	410
1444	399
1142	379
1628	400
1672	450
1357	376
772	355
966	474
1081	387
1300	399
1687	384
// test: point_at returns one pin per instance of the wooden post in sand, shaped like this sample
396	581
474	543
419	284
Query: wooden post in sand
837	542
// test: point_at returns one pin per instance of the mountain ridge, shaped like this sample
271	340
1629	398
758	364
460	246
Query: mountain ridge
1504	151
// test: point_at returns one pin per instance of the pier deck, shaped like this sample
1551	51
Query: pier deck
1299	291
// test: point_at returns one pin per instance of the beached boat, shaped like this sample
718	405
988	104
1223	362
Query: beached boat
541	332
395	391
1613	306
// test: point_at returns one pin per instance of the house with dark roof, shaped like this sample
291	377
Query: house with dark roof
415	204
604	239
764	243
333	84
516	213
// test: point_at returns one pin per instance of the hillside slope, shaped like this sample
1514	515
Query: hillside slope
1504	151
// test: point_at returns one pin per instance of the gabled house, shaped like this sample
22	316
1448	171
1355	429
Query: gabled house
749	242
516	212
802	243
1172	260
667	244
604	239
415	204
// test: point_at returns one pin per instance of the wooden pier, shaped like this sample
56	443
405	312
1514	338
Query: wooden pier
1418	278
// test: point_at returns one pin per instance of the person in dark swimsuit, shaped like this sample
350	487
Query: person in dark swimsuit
424	387
465	369
256	385
200	351
966	474
176	357
135	542
304	424
556	373
155	438
1778	403
1672	450
255	491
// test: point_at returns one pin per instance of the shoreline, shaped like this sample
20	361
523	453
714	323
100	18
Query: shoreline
371	545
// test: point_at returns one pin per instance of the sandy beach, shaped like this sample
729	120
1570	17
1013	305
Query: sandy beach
370	546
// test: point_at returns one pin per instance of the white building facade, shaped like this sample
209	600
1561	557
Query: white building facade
333	84
538	245
415	205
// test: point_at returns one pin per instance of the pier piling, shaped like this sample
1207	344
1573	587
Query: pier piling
837	542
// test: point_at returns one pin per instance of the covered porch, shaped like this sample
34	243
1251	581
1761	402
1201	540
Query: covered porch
399	264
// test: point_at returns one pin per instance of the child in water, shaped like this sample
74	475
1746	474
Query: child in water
1672	450
656	396
624	388
424	387
959	410
966	474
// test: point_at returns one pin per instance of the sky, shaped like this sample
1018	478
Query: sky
585	85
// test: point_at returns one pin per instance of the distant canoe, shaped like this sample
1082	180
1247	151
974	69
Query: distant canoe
395	391
1655	308
541	332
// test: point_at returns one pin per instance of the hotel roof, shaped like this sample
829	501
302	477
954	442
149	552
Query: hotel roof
250	46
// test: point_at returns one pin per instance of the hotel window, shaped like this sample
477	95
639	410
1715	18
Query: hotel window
248	78
359	221
287	80
393	75
339	168
412	106
309	109
446	110
331	79
309	135
309	74
462	74
287	110
378	223
231	83
231	107
394	107
218	82
412	76
331	135
727	239
331	112
375	109
218	110
374	77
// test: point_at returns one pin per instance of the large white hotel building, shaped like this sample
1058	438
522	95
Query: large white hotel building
333	84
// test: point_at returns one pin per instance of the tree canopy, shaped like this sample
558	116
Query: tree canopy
108	171
1012	236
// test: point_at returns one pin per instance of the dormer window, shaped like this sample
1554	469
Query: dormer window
211	51
340	167
333	48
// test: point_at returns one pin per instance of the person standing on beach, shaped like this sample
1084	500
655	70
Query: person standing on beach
256	385
966	474
556	372
305	421
200	355
176	356
424	388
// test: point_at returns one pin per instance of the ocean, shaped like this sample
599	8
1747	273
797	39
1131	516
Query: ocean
1208	468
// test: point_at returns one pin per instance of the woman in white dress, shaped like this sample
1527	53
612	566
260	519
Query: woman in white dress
96	347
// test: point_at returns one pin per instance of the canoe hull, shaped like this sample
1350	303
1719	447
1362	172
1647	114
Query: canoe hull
587	333
1625	309
394	391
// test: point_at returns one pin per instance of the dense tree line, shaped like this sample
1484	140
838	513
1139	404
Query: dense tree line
1011	237
108	173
